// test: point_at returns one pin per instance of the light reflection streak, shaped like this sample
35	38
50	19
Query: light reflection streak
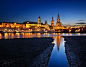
0	35
58	39
78	33
6	35
18	35
38	34
63	33
12	35
29	35
66	33
22	35
70	34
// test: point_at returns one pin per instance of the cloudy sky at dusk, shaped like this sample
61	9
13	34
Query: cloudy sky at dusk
70	11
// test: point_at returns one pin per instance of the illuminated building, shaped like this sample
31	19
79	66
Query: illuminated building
36	25
52	22
58	24
12	25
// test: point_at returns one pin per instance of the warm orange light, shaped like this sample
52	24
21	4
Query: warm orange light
6	35
22	34
15	24
7	26
9	34
59	33
38	33
0	35
69	30
70	33
58	41
52	42
54	33
44	33
18	35
78	33
67	34
12	35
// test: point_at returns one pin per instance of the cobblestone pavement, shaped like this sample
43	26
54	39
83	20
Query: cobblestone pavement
75	49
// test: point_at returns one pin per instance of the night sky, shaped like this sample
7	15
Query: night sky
70	11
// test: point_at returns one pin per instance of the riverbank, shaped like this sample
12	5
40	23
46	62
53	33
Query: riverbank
25	52
75	49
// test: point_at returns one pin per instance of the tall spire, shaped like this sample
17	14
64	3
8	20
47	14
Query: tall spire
52	17
58	15
52	21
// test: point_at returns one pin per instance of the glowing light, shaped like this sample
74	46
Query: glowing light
22	34
18	35
54	33
38	34
70	33
66	33
44	33
78	33
52	42
0	35
9	34
12	35
6	35
59	33
69	30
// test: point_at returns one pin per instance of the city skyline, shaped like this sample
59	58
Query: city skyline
20	11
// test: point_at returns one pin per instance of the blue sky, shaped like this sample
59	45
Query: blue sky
70	11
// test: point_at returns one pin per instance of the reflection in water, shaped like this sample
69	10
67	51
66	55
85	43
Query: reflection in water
6	35
66	33
78	33
22	35
12	35
58	59
0	35
38	34
18	35
58	41
70	34
30	35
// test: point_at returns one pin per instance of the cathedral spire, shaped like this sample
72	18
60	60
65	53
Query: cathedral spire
52	17
52	21
58	15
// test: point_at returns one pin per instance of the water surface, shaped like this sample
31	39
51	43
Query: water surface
58	56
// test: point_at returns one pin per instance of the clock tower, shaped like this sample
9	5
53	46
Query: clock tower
58	21
52	22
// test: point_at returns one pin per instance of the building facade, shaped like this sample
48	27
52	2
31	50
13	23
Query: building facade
37	26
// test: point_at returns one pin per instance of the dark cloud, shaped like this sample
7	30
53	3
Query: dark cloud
80	20
81	23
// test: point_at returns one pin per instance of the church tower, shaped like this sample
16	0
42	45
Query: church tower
58	21
52	22
39	20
